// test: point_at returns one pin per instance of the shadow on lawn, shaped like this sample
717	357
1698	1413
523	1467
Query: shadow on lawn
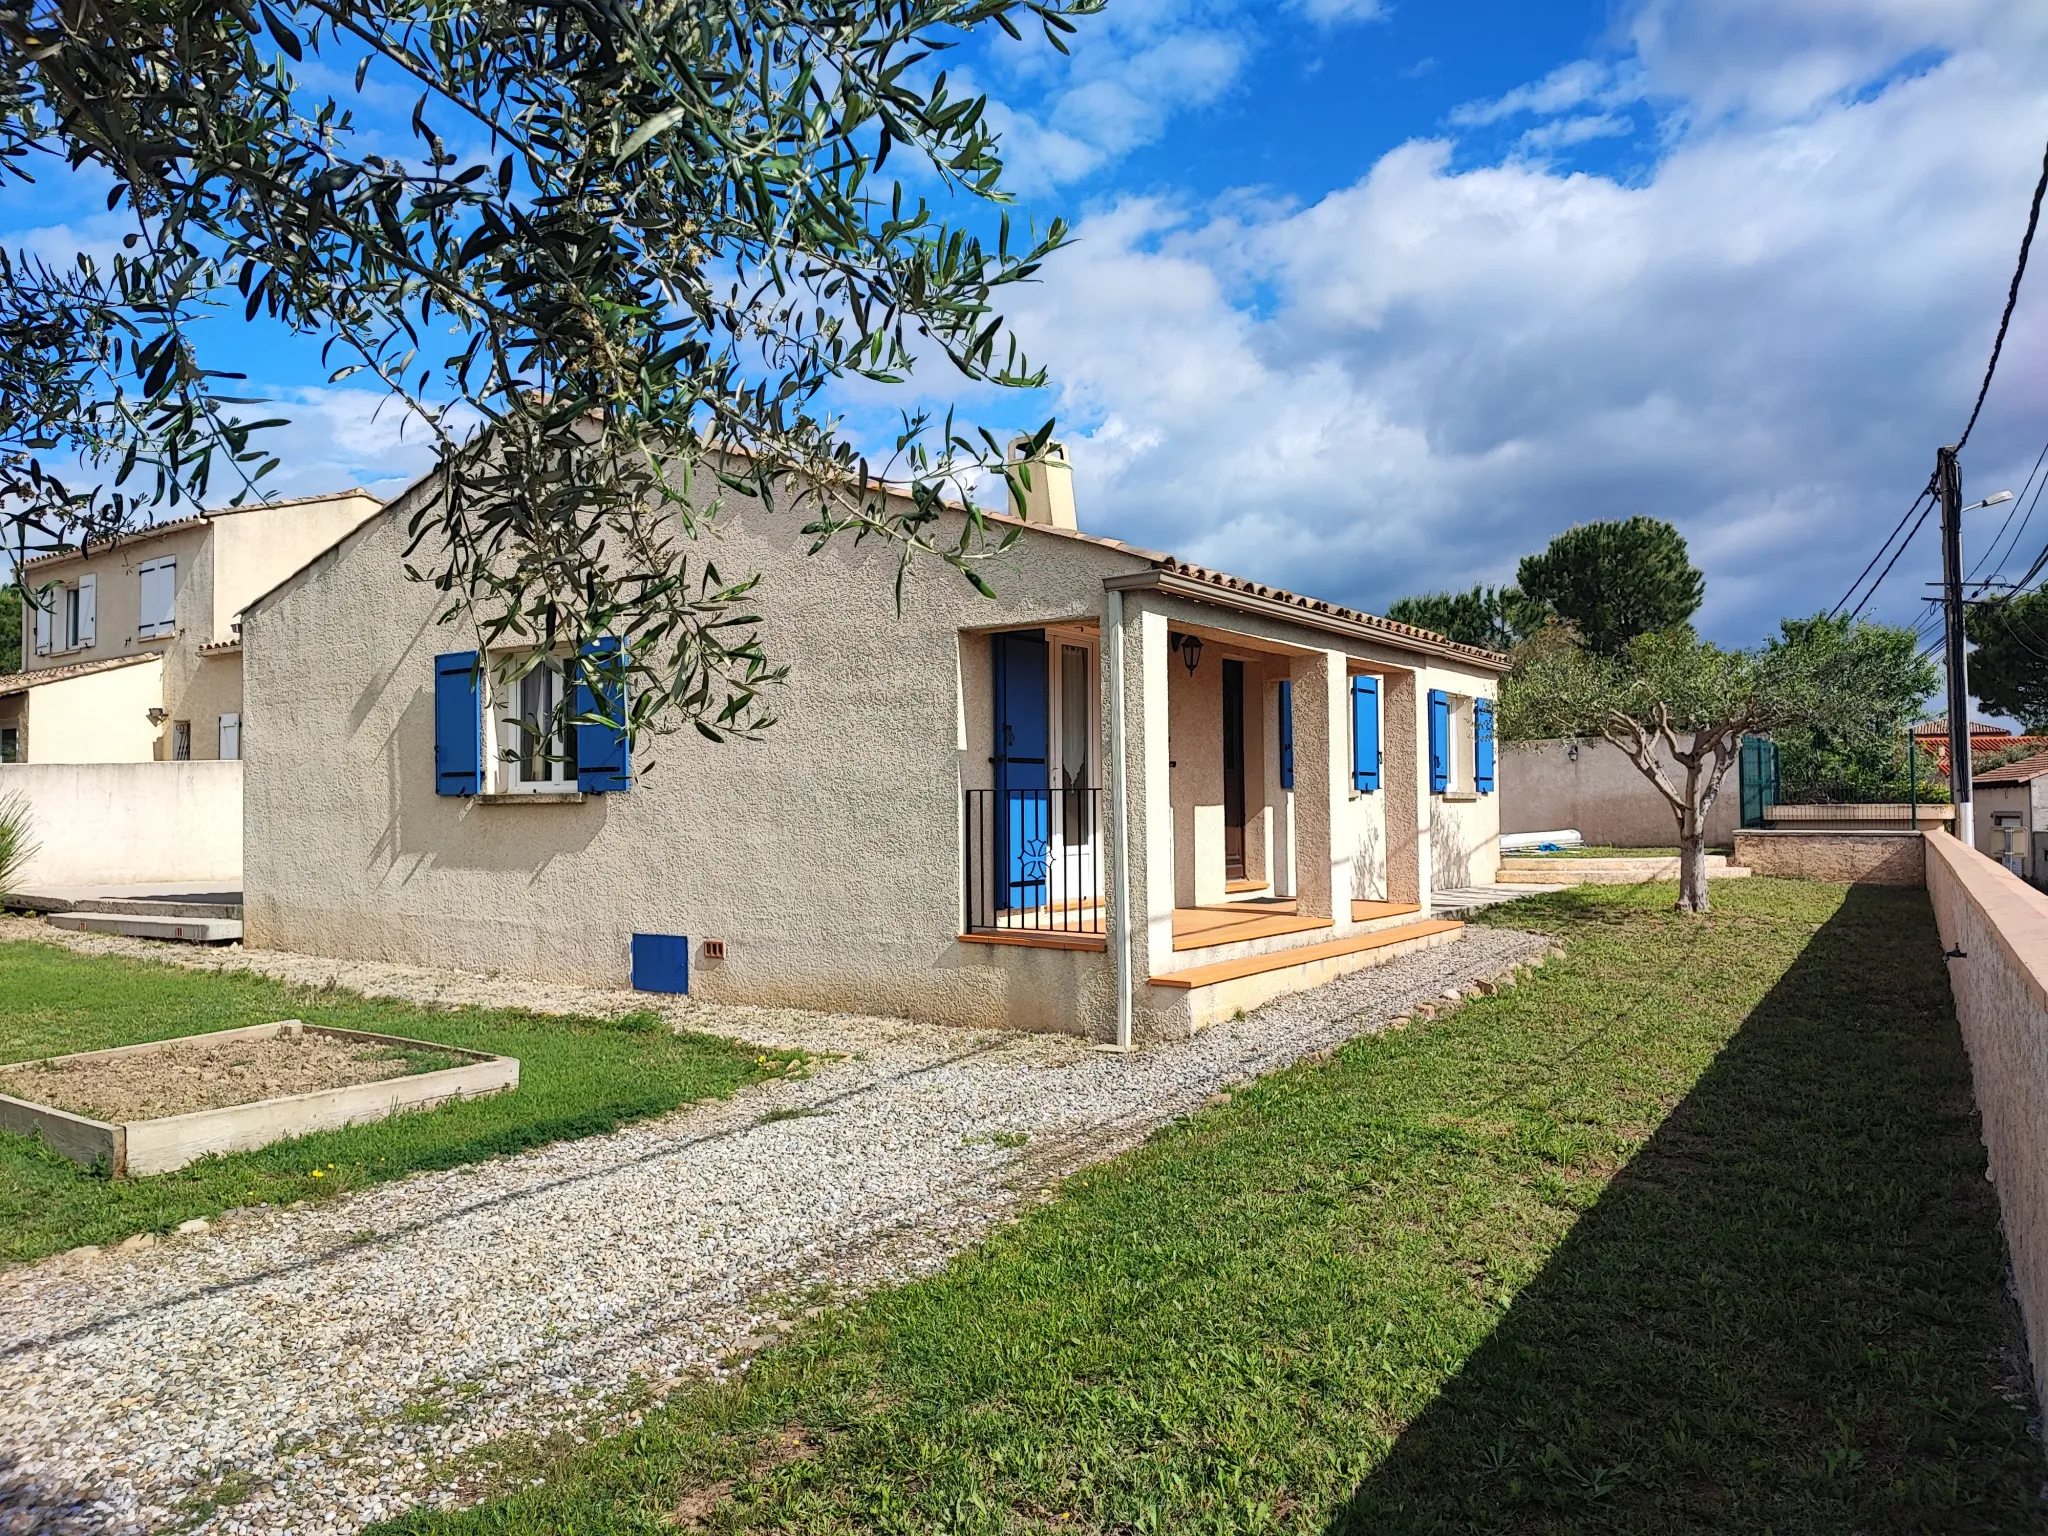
1786	1313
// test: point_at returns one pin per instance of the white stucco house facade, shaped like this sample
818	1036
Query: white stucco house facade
1123	798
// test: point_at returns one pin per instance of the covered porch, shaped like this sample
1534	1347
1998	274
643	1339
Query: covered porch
1274	801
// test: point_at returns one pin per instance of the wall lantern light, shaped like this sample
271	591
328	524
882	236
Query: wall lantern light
159	716
1190	647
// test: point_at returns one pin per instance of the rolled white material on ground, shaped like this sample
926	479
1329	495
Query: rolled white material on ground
1522	842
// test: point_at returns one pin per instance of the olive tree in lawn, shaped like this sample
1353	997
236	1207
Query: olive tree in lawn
1695	701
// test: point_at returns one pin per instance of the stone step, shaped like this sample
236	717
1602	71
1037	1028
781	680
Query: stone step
152	908
184	930
1619	871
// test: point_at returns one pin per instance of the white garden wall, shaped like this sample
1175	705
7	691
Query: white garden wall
128	823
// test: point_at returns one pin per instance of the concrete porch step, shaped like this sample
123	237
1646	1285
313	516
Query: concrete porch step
187	930
1219	990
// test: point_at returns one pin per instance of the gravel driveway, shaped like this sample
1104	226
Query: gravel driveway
313	1370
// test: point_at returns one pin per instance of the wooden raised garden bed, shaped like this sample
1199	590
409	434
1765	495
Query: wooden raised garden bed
149	1108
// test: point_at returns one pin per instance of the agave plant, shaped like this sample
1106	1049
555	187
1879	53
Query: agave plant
17	846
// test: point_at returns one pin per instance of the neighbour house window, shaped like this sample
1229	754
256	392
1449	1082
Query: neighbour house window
158	607
67	617
10	743
181	741
230	738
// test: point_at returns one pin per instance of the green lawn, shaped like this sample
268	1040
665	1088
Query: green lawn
1687	1233
577	1077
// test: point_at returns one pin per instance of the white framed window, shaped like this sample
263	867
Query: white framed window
1463	746
67	616
157	607
230	738
81	614
536	746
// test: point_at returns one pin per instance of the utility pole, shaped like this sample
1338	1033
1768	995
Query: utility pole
1948	484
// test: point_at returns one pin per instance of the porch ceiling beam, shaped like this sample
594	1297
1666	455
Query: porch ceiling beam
1173	584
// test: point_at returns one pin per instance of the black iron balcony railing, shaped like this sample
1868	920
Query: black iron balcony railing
1034	861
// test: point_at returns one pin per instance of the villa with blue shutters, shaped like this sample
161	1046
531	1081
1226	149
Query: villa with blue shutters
1123	798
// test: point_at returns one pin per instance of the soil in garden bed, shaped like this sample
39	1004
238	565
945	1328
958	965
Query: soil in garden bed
182	1076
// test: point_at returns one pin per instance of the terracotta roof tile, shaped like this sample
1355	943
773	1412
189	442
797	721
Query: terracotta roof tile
16	682
138	535
2018	772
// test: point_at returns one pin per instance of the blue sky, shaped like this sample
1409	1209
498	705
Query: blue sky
1368	299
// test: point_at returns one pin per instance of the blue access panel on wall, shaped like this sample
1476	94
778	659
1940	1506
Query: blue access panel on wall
661	962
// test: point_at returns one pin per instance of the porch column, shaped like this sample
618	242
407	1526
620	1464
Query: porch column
1322	786
1149	789
1404	783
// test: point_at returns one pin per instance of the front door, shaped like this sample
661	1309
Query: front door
1023	776
1233	770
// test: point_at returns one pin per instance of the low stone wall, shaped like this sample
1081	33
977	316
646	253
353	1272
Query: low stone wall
2000	982
1860	857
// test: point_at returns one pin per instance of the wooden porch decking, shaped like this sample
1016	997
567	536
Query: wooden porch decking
1081	925
1235	921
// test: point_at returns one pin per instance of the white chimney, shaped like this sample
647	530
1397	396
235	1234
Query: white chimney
1049	497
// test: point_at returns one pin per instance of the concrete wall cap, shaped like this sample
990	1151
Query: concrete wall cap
2014	910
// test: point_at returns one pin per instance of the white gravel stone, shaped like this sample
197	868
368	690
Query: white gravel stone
329	1362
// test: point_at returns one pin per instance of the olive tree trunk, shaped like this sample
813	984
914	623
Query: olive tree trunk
1705	761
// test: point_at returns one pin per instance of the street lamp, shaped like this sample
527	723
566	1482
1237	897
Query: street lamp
1989	501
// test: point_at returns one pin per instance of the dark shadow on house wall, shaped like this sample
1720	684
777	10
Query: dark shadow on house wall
1776	1316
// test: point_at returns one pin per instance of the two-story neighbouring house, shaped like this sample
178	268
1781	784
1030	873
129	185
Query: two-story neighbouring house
133	648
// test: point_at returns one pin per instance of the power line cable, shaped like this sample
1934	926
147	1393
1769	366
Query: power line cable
2011	512
1903	545
1887	544
2012	298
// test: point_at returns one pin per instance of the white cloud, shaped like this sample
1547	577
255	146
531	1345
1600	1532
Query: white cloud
1329	11
1567	86
1420	377
1564	132
336	437
1141	62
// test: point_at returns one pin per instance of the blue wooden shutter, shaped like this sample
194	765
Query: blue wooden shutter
1365	734
1482	745
1286	735
458	725
1439	741
604	763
